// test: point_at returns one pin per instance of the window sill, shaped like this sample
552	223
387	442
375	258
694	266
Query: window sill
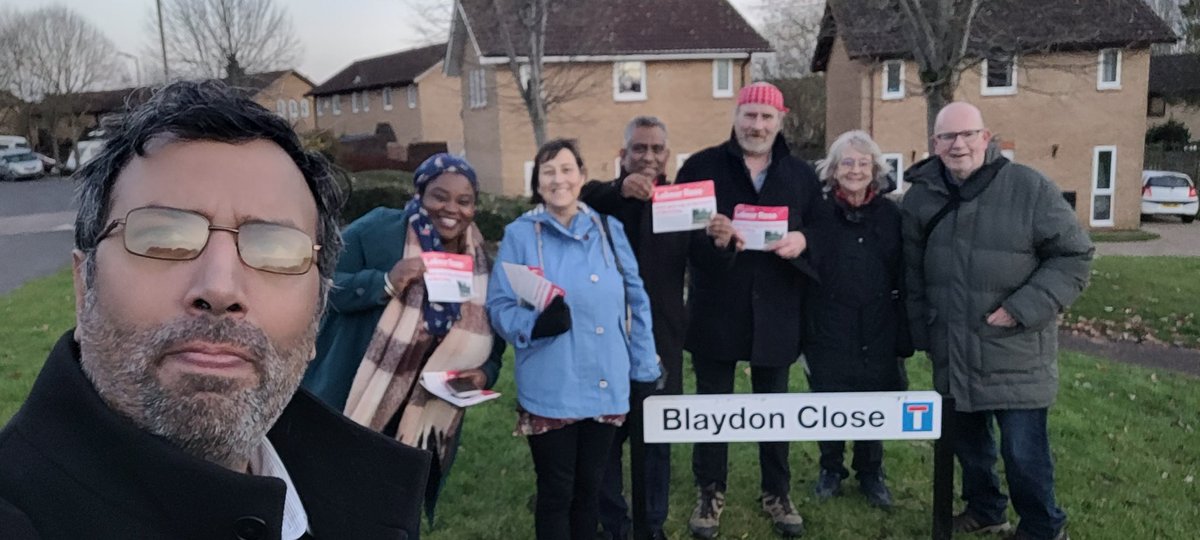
1002	91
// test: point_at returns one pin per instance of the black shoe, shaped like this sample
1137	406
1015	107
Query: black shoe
876	491
658	534
968	523
829	484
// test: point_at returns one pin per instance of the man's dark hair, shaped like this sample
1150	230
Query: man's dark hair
199	111
546	153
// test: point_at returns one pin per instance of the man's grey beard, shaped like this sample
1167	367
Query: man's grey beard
210	417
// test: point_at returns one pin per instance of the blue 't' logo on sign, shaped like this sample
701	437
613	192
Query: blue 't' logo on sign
918	416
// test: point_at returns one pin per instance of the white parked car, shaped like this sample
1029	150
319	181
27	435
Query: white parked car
10	142
22	164
1169	193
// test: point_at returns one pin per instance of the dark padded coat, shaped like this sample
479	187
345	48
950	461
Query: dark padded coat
1013	241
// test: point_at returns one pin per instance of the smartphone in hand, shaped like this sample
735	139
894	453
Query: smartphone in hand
463	387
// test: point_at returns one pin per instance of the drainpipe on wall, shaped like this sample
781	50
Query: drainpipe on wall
871	99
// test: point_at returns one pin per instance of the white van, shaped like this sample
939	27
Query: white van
85	150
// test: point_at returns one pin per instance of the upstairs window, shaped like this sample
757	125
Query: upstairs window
1109	72
387	98
477	89
629	81
893	79
337	104
412	96
722	78
999	76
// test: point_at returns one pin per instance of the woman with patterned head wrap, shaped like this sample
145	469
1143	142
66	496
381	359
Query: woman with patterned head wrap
381	331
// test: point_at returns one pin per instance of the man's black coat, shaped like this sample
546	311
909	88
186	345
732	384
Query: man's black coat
71	468
751	309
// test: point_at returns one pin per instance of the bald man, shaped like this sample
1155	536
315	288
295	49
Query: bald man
993	253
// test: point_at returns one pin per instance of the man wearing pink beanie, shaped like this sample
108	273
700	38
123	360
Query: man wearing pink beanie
747	306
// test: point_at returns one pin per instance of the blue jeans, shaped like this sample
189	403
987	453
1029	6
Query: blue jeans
1029	469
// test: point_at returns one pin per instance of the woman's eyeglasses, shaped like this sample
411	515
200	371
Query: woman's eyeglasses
172	234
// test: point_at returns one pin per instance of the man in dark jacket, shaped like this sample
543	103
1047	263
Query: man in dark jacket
993	254
205	242
662	260
749	309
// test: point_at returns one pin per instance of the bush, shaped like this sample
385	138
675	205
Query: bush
1172	135
371	189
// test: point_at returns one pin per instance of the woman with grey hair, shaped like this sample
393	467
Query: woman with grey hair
857	333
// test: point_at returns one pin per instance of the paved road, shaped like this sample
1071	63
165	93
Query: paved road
36	229
1176	239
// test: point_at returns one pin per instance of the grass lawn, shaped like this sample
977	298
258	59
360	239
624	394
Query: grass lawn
1123	236
1132	298
1124	439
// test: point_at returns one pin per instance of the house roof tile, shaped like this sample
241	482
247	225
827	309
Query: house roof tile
622	27
396	69
877	28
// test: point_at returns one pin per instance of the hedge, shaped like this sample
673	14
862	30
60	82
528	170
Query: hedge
370	189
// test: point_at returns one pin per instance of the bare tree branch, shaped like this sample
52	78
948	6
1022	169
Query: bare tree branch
206	38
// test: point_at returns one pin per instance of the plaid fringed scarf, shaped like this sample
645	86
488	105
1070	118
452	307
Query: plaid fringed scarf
387	378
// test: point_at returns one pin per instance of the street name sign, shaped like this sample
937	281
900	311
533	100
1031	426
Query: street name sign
834	416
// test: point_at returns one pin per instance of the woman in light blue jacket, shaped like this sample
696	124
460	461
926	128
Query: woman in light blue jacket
575	360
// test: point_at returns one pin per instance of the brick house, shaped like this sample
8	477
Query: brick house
284	92
1060	90
605	62
407	91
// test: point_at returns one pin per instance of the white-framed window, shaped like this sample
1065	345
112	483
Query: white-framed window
387	98
354	102
337	104
1108	76
293	109
366	100
322	104
524	73
723	78
528	191
896	162
477	88
998	76
629	81
893	79
281	108
412	96
305	108
1104	178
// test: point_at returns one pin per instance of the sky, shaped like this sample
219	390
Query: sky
332	37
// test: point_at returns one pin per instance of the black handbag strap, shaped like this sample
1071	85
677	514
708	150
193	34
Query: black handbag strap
937	218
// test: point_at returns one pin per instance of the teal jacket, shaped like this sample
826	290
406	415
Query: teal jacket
373	245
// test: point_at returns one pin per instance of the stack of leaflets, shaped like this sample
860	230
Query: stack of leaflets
458	392
760	226
449	277
530	285
683	207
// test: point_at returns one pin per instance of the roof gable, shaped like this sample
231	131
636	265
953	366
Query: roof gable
877	29
619	27
396	69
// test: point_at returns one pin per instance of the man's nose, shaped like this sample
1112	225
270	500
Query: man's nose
218	278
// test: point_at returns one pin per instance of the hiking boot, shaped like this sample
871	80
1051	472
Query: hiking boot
968	523
1018	535
876	492
829	485
706	518
784	517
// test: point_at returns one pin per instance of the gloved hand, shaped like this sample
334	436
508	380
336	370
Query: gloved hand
554	320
